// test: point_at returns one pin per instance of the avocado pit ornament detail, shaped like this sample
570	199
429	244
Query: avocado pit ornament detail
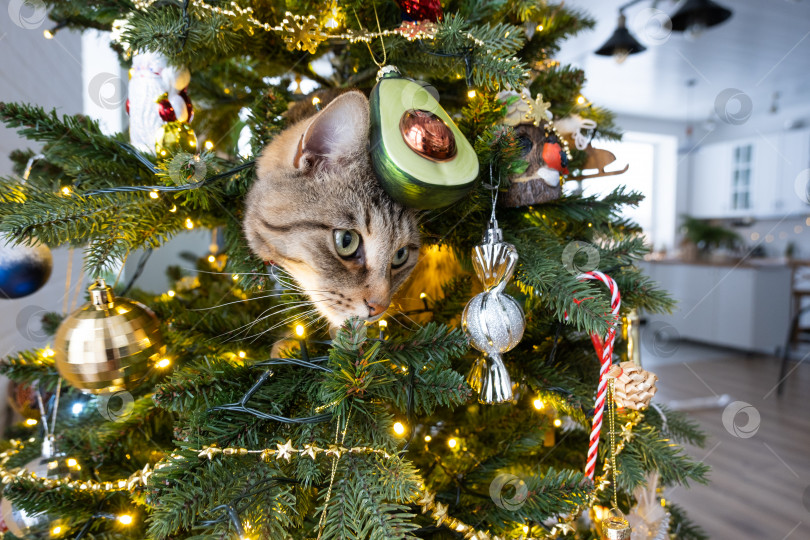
421	157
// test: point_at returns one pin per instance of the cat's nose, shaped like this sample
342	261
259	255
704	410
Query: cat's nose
375	308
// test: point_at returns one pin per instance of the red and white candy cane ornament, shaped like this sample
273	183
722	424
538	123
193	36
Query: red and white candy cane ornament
604	348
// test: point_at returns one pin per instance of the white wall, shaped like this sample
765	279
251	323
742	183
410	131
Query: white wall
48	73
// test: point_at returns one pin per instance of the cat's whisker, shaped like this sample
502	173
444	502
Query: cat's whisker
274	295
263	315
288	320
400	312
275	310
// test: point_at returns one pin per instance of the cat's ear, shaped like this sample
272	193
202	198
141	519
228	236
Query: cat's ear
338	130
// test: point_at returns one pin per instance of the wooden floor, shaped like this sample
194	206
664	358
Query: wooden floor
761	483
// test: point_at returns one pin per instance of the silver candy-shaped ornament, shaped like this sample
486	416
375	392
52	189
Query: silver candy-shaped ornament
492	319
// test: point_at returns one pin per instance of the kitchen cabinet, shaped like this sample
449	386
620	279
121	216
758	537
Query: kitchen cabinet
743	307
753	176
795	162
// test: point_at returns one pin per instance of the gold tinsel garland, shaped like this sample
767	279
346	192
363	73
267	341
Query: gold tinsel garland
438	511
305	32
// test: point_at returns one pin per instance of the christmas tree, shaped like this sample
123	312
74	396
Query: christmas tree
241	415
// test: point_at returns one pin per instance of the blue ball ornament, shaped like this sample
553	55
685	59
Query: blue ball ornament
23	269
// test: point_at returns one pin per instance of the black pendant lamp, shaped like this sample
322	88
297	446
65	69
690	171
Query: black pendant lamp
621	43
695	15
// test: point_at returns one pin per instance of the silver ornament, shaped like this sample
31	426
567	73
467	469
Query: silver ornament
494	322
50	465
492	319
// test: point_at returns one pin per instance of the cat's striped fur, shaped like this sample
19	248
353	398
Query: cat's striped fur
312	179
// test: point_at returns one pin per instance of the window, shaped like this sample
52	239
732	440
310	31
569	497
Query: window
741	180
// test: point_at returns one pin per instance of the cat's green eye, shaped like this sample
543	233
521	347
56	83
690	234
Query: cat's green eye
400	257
346	242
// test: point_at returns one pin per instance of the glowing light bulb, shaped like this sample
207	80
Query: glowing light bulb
428	438
539	28
538	404
154	194
163	363
125	519
399	429
663	502
452	442
580	99
525	529
242	354
30	421
235	277
170	293
173	208
422	296
72	462
557	422
383	323
209	145
471	94
48	352
77	408
212	259
48	34
299	330
58	529
66	190
189	223
316	101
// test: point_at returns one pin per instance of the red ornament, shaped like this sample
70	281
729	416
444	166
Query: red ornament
189	107
127	106
421	10
166	111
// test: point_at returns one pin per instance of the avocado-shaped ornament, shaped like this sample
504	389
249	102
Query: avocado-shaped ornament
421	157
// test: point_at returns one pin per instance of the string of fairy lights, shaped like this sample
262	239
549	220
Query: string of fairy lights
305	32
286	451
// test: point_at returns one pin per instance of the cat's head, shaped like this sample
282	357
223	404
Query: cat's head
317	210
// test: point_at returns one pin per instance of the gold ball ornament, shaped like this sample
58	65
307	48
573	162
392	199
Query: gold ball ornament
109	344
174	137
50	465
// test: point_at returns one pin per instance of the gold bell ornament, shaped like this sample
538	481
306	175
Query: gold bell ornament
109	344
615	526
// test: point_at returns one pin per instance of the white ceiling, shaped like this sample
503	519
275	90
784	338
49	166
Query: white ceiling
762	49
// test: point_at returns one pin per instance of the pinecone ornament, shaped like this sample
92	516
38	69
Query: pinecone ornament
634	386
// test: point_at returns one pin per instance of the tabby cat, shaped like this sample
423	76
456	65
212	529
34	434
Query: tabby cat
318	211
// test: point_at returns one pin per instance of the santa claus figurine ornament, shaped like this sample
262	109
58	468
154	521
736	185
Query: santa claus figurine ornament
157	96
